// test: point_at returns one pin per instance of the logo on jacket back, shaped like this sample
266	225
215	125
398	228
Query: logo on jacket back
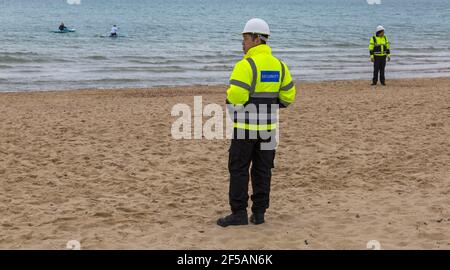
270	76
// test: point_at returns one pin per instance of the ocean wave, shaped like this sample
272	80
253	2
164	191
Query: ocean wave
96	57
420	49
23	53
208	57
13	59
156	69
215	68
186	60
28	71
17	58
87	81
109	80
139	57
150	61
345	45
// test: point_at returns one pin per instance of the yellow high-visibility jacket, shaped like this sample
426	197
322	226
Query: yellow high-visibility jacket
260	78
379	46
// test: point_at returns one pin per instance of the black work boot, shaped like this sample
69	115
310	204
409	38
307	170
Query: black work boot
374	83
257	218
237	218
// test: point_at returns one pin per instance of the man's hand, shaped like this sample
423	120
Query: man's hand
389	58
371	59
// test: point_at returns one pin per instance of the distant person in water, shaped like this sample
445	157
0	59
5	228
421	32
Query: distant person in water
114	31
62	27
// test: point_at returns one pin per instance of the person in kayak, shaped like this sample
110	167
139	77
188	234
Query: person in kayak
62	27
114	31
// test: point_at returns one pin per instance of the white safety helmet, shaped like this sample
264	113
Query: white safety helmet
256	26
379	28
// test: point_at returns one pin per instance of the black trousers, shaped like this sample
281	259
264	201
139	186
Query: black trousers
379	66
244	152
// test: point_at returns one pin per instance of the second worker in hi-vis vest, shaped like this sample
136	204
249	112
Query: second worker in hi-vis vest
379	48
259	85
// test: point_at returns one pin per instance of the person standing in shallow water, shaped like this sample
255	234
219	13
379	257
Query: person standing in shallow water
380	50
114	30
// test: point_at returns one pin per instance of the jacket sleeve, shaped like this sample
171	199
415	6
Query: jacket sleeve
371	47
388	47
287	90
239	90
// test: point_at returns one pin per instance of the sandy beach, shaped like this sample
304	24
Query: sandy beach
355	163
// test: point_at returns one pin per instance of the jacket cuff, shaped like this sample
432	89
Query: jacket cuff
283	104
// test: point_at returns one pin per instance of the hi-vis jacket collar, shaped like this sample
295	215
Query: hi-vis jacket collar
262	48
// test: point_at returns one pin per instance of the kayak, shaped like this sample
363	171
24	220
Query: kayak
111	36
67	30
64	31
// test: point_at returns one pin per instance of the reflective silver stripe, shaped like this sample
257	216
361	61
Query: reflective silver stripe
255	122
255	75
380	48
287	87
265	95
235	108
256	118
282	73
241	84
284	103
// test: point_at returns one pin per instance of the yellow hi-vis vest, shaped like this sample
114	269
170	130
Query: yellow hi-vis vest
260	78
379	46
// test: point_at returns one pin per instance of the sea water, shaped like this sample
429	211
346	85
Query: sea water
197	42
